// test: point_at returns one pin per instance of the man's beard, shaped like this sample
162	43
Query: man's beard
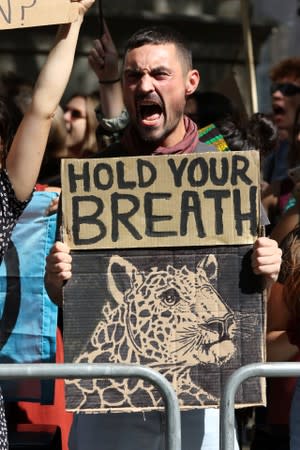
154	140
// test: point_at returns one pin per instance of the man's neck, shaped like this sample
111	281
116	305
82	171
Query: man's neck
184	143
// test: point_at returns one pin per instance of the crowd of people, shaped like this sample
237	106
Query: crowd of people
153	106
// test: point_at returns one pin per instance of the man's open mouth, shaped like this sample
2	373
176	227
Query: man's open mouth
150	113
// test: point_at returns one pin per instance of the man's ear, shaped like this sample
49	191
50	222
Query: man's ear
192	81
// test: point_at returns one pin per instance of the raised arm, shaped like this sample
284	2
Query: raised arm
104	61
27	150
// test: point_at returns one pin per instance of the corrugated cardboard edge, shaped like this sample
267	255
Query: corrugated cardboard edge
146	410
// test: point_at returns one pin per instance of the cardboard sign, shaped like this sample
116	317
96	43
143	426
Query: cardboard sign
33	13
165	279
165	201
193	314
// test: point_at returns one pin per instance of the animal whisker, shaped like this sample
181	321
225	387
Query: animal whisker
188	344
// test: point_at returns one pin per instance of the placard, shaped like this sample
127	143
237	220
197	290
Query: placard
161	276
165	201
33	13
194	314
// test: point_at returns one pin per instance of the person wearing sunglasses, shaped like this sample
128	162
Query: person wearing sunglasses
285	92
278	196
287	89
81	124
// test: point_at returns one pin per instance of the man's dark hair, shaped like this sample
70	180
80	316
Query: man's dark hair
158	35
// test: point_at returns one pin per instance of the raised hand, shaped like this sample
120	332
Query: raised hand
103	58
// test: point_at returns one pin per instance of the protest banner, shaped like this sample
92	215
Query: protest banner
174	200
33	13
190	308
28	316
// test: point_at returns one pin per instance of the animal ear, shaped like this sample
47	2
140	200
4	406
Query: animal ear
210	265
121	275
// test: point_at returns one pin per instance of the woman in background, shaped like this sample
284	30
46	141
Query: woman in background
81	123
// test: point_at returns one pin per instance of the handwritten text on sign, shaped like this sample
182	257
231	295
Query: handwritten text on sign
30	13
173	200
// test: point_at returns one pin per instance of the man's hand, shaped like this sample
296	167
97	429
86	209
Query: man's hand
103	57
58	270
59	264
266	259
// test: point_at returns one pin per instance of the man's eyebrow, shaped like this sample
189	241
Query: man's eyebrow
154	70
161	69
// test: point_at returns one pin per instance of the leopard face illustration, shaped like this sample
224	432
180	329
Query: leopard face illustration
171	320
176	316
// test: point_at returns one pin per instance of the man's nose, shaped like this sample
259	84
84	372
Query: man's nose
145	83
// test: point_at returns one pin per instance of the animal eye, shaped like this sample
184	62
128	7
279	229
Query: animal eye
207	290
170	297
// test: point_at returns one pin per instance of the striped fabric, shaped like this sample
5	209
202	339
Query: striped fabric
211	135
